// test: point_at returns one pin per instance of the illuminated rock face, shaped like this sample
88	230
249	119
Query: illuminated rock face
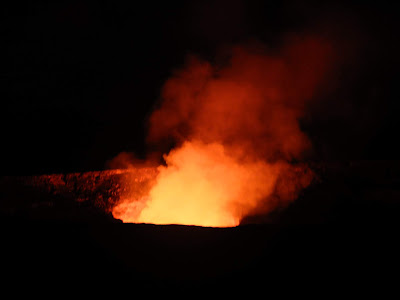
357	191
81	196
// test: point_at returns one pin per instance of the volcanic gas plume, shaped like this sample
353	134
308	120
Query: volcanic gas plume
236	129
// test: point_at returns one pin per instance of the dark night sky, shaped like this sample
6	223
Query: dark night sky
78	80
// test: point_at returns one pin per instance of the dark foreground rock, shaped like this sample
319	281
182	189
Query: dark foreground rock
155	258
341	234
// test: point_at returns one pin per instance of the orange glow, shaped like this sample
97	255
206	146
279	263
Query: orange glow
237	130
202	185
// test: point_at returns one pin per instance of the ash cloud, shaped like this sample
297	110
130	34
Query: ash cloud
252	104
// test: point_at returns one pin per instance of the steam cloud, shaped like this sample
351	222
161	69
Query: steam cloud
236	127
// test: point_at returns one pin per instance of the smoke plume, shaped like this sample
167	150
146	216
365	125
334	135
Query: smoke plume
235	126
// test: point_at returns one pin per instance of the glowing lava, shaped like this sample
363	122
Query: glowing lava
203	185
